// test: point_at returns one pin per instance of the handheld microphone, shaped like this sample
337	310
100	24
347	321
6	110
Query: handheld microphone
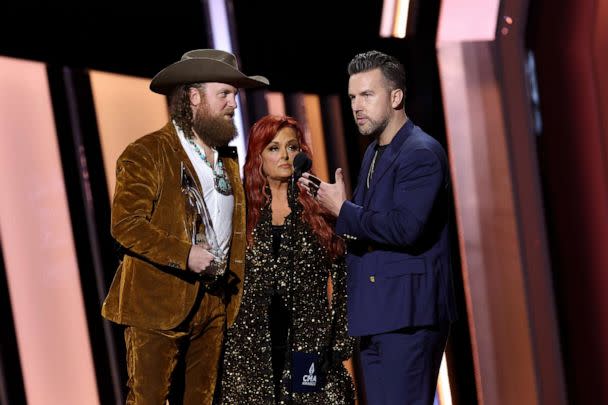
301	163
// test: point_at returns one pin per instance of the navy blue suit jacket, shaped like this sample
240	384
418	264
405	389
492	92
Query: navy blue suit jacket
399	271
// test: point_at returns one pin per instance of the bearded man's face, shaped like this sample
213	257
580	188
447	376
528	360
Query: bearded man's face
213	119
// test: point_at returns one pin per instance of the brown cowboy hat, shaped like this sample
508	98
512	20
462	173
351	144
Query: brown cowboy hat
204	65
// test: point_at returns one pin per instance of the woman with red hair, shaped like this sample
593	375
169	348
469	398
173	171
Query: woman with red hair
289	341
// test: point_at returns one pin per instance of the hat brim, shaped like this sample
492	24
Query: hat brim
202	70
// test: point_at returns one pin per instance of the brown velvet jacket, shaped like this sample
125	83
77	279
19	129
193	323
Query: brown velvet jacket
152	287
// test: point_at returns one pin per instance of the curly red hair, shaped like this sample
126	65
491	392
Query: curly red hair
261	134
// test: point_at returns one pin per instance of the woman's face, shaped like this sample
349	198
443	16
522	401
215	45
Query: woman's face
277	156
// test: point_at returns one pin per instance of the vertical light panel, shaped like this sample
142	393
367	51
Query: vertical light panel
334	136
276	103
219	21
506	272
401	19
126	109
456	16
388	18
600	59
487	222
40	259
315	135
395	18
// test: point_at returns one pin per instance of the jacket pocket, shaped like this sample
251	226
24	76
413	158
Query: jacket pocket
403	267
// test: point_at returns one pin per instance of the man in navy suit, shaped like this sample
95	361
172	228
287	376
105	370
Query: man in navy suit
400	293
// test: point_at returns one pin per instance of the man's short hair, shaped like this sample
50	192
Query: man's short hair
392	70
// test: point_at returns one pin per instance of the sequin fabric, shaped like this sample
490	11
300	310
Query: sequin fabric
300	274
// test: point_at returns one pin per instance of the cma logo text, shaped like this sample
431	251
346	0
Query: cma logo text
310	379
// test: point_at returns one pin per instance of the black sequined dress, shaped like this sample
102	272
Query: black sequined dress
256	343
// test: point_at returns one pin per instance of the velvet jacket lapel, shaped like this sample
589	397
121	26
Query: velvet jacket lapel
173	140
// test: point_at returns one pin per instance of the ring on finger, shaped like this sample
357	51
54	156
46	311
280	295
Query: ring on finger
314	180
314	189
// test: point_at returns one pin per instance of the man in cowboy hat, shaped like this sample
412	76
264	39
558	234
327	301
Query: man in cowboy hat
178	214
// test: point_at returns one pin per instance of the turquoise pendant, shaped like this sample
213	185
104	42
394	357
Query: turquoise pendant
222	184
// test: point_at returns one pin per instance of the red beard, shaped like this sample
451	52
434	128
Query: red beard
213	130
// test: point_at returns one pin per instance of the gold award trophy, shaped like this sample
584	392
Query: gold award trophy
197	208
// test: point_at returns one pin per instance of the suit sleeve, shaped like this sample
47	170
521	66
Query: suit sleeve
138	181
419	179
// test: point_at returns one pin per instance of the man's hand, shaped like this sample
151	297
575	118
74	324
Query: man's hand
199	259
330	196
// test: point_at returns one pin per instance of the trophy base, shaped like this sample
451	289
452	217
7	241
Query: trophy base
214	275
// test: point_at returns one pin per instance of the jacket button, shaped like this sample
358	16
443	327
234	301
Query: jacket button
372	279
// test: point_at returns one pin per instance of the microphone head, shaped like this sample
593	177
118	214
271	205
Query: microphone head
301	163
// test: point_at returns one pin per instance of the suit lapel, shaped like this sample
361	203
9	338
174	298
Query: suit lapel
389	156
367	161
